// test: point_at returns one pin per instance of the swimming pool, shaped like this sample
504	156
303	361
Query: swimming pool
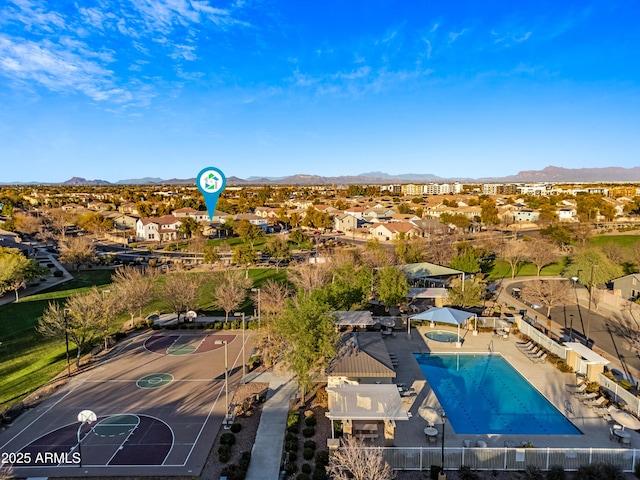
442	336
484	394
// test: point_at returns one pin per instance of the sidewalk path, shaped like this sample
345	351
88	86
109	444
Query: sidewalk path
49	282
267	449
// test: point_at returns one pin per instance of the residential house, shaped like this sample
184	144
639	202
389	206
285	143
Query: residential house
627	287
158	229
525	215
122	221
393	230
378	214
357	212
129	207
344	222
263	223
197	215
567	214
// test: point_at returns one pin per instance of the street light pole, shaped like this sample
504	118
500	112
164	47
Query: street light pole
571	327
590	297
106	323
257	290
442	474
66	339
244	364
226	381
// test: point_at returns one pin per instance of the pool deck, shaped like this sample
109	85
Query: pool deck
545	377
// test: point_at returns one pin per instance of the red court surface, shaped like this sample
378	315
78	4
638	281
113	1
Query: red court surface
159	401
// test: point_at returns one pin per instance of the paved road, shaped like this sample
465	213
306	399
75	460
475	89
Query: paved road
608	328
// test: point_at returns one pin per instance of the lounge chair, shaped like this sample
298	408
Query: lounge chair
509	444
468	443
525	346
603	413
541	359
481	444
575	389
535	355
585	397
596	402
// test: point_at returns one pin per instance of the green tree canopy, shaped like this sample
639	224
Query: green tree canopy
16	270
603	269
391	286
310	341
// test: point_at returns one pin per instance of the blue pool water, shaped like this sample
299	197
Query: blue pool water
484	394
442	336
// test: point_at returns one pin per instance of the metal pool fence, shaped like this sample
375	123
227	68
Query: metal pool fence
422	458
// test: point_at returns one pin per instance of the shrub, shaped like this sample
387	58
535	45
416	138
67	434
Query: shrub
322	397
292	468
236	427
319	474
306	468
245	459
465	473
58	273
234	472
290	436
224	453
308	431
531	472
293	456
322	458
291	445
310	421
310	444
293	419
227	439
556	472
303	476
308	453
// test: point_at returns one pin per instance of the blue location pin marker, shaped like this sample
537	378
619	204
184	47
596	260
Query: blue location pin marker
211	181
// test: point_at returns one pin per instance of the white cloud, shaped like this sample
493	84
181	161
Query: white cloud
34	16
429	48
523	38
186	52
453	36
434	28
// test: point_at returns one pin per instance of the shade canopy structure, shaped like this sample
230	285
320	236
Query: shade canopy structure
448	315
625	419
366	402
356	318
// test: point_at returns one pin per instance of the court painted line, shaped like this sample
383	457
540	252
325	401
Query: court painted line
124	441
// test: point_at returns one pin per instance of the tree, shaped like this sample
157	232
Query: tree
489	212
244	255
134	289
457	220
16	270
551	293
211	254
468	260
391	286
375	256
77	251
272	298
189	227
82	317
230	290
298	236
94	222
469	295
581	266
541	253
309	276
277	248
559	234
440	250
354	461
350	286
180	291
409	250
248	232
27	224
310	340
513	253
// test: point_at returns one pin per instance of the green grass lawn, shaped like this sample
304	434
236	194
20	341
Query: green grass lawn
28	360
501	269
622	240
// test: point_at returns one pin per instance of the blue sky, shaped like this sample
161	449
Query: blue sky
162	88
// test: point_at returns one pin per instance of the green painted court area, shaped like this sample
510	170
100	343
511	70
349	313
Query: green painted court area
181	349
116	425
155	380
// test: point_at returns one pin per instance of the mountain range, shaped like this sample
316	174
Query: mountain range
548	174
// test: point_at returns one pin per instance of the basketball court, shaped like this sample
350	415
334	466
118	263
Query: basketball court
154	408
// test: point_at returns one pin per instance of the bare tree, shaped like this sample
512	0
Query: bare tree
83	317
76	251
273	297
540	253
27	224
134	289
309	276
551	293
354	461
513	253
231	290
440	250
180	291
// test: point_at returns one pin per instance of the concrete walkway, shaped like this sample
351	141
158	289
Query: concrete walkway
267	449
